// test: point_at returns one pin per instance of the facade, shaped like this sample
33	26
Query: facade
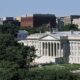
38	20
67	20
22	34
72	19
44	19
60	22
56	47
76	22
18	19
8	18
11	21
1	21
27	21
75	19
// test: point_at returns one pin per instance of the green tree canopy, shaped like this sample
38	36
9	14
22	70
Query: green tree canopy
69	27
10	29
13	55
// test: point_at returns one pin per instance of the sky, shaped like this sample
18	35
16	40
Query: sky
22	7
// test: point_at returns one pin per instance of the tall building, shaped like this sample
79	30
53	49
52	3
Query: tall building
27	21
75	19
1	21
72	19
44	19
38	20
56	47
67	20
76	22
11	21
60	22
18	19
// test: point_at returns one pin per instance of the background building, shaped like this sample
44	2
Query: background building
22	35
44	19
60	22
18	19
11	21
67	20
27	21
76	22
1	21
56	47
72	19
38	20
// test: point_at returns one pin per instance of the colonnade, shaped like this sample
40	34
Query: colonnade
51	49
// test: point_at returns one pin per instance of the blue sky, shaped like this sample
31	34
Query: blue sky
23	7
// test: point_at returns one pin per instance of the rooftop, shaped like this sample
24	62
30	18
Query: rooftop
55	34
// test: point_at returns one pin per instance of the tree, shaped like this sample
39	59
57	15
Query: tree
10	29
13	55
69	27
43	28
12	51
16	60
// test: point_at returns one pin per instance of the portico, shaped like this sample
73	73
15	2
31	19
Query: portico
51	48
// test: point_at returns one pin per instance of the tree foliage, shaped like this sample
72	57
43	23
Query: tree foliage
9	29
40	29
69	27
13	55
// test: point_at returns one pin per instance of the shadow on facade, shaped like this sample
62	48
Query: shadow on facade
65	47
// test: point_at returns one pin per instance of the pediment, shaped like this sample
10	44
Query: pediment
48	37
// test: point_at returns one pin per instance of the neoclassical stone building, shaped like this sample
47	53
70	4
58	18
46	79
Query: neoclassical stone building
55	47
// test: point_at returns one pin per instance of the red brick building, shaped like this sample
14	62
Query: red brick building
27	21
38	20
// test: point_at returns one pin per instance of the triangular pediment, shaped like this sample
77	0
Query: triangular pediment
48	37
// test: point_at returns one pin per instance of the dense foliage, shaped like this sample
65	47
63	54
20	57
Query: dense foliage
9	29
13	55
45	28
54	72
40	29
69	27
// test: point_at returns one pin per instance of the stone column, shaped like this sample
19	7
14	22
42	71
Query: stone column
47	49
53	50
50	49
56	51
44	50
41	49
59	50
